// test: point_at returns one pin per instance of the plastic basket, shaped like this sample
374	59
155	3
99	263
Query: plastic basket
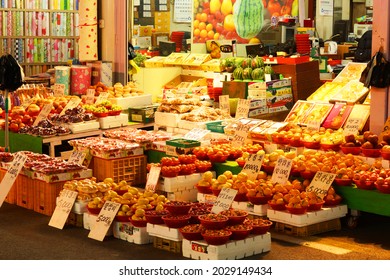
24	192
45	196
216	127
130	169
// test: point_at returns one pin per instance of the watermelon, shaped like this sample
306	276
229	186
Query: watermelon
248	17
246	62
257	62
268	70
237	73
258	74
247	73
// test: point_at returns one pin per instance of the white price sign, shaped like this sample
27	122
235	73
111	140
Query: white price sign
104	220
321	183
282	170
252	165
58	90
352	126
224	103
314	125
103	96
27	102
73	103
43	114
240	136
242	110
77	157
224	200
11	174
196	134
64	206
154	175
90	98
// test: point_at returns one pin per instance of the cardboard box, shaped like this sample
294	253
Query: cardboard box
156	61
180	146
182	83
159	36
194	61
142	42
101	72
175	59
142	114
212	65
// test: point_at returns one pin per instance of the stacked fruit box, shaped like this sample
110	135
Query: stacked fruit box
126	231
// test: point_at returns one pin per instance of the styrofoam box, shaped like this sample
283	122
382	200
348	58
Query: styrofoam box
114	121
164	232
185	195
309	218
258	210
166	119
180	183
206	198
79	206
128	232
89	219
85	126
132	101
191	125
233	250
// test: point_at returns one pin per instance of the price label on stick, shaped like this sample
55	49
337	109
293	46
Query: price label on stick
90	98
100	227
64	206
321	183
242	110
224	200
77	157
240	136
43	114
73	103
224	103
58	90
27	102
11	174
154	175
252	166
282	170
352	126
103	96
196	134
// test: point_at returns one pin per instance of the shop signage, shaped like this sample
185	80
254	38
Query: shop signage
321	183
196	134
252	165
352	126
64	205
282	170
103	96
104	220
242	110
224	103
224	200
153	176
43	114
11	174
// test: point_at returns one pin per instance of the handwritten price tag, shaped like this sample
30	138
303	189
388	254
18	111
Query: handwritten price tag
43	114
282	170
240	136
77	157
90	96
58	90
321	183
253	165
224	103
64	206
27	102
103	96
154	175
352	126
10	175
104	220
196	134
242	110
314	125
73	103
224	200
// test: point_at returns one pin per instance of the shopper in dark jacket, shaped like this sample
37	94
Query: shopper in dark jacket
363	50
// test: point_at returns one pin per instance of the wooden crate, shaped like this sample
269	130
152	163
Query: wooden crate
11	196
167	245
24	192
309	230
45	196
130	169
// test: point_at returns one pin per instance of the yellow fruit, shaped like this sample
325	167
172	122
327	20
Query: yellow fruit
228	23
226	7
139	212
215	6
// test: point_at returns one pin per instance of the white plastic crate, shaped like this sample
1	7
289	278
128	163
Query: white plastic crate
179	183
309	218
90	219
185	195
164	232
114	121
84	126
233	250
258	210
128	232
132	101
166	119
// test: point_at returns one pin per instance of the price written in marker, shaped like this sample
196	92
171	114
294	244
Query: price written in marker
58	90
90	98
196	134
43	114
11	174
224	103
224	200
242	110
104	220
352	126
313	125
73	103
240	136
252	165
103	96
281	171
64	206
321	183
154	175
77	157
27	102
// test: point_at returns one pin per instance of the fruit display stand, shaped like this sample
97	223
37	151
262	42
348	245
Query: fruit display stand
232	250
126	231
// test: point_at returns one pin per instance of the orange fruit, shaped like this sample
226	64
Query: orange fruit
197	16
228	23
210	34
196	32
209	27
253	40
196	23
203	33
216	36
202	25
203	17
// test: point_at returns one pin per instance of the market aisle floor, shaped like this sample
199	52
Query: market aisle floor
25	235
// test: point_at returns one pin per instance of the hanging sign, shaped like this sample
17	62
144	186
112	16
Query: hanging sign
224	200
64	206
242	110
43	114
11	174
321	183
224	103
196	134
252	165
104	220
282	170
153	176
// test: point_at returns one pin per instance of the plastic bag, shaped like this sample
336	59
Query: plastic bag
131	52
377	72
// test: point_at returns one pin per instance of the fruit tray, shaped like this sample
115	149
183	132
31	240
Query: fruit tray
253	245
84	126
126	231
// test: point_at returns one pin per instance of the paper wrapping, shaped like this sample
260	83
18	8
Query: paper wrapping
81	79
88	30
101	72
62	76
